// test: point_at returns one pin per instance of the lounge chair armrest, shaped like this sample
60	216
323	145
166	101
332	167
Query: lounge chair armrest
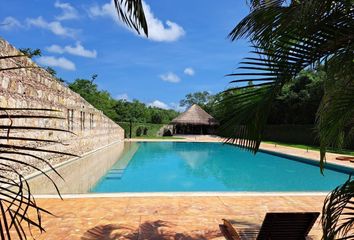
232	233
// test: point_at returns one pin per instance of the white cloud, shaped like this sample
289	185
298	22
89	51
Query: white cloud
69	12
55	49
106	10
10	23
158	31
123	96
189	71
158	104
170	77
177	107
56	62
77	50
55	27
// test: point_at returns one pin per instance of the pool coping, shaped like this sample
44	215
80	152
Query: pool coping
328	165
181	194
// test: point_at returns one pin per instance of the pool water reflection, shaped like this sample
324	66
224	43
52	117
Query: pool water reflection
195	167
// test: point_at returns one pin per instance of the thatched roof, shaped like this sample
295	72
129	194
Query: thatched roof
195	115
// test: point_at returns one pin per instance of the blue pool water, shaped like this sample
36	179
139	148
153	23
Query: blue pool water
185	167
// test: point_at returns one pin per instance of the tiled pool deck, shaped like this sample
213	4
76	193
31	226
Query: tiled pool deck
164	217
174	216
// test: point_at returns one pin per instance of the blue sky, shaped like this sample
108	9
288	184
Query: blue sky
187	50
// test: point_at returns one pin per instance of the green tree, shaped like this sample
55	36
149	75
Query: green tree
51	71
139	112
156	118
200	98
101	100
299	100
122	108
204	99
29	52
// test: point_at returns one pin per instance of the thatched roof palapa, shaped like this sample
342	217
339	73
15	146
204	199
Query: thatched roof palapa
195	115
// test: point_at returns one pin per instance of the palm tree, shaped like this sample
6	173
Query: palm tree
289	36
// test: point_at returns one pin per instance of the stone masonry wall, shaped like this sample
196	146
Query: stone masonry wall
34	87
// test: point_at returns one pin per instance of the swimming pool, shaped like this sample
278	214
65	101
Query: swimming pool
213	167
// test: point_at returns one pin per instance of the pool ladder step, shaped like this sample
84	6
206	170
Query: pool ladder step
115	173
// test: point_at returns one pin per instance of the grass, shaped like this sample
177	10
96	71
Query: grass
156	137
315	148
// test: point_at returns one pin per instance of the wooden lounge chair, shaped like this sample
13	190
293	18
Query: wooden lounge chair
276	226
345	158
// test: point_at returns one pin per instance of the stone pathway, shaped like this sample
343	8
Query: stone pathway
163	217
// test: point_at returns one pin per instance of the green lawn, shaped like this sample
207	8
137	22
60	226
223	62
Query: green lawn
309	147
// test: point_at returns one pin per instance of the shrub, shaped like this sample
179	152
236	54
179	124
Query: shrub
139	131
156	118
146	131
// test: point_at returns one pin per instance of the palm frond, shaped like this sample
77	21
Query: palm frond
19	212
336	113
338	213
246	112
264	3
287	38
131	12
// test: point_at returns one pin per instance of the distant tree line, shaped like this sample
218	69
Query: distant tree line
297	103
299	100
120	110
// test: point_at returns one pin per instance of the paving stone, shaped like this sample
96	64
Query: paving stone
187	217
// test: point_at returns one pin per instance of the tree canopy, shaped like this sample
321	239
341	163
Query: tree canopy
204	99
120	110
297	103
299	100
29	52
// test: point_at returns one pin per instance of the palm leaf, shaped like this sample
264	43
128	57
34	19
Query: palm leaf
289	37
16	199
282	50
336	113
131	12
338	213
19	211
